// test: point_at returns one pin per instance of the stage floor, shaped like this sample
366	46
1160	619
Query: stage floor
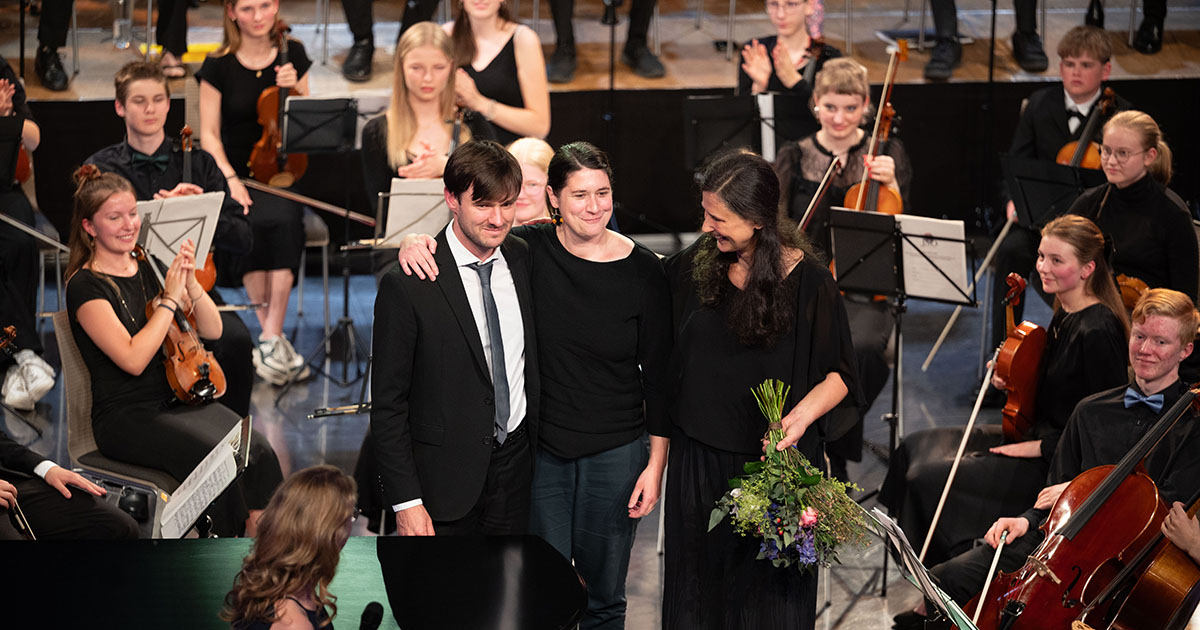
687	44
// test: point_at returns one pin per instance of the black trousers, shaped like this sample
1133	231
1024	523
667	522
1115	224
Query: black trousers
358	16
945	17
171	28
640	13
962	576
18	273
503	507
234	351
55	517
54	23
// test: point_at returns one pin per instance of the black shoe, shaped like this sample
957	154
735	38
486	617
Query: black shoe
908	620
1028	51
1095	14
644	63
49	68
946	56
357	66
561	66
1149	37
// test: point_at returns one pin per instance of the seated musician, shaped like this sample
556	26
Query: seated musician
1101	430
841	100
154	165
1085	353
135	417
26	377
1047	123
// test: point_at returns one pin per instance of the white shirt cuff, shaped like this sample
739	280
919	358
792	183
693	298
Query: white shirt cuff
43	468
407	504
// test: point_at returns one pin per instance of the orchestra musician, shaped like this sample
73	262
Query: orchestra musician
1085	353
231	80
1101	430
135	417
153	164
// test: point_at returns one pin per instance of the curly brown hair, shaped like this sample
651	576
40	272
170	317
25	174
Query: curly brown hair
300	539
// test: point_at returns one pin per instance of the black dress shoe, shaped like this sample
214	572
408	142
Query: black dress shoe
946	56
357	66
1095	14
645	64
560	68
49	69
1149	37
908	620
1028	51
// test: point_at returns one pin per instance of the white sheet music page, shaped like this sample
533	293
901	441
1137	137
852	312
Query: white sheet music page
210	478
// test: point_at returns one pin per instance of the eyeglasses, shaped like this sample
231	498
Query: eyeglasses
788	7
1120	155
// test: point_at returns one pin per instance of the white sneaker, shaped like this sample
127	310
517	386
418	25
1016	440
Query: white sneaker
38	375
295	358
14	391
271	362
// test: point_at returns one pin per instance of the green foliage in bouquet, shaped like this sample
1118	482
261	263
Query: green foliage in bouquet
801	517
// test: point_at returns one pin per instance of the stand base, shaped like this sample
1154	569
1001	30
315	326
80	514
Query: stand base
342	344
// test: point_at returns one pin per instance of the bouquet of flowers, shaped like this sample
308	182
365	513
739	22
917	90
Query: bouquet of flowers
800	516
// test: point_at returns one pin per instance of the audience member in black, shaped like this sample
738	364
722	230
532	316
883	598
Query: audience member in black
153	163
26	377
135	417
171	33
1085	353
357	66
1103	428
947	52
1149	38
636	54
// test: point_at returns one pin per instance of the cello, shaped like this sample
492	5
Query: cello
868	194
193	372
1103	518
267	163
1085	152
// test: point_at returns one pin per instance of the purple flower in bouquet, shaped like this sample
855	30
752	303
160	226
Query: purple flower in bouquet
806	547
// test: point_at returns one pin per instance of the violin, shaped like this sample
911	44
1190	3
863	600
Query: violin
869	194
206	275
1085	152
267	164
1102	520
1131	290
194	374
23	169
1018	362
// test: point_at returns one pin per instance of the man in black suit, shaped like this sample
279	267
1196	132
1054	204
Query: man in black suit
53	510
455	388
1046	124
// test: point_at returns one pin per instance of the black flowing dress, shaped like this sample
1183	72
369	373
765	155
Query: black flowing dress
278	223
712	579
1085	353
136	419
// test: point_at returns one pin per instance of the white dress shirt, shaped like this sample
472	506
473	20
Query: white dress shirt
1083	108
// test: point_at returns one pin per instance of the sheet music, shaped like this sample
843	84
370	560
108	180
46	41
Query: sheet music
167	223
922	279
417	205
208	480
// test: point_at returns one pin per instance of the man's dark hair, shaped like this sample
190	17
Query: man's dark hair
486	165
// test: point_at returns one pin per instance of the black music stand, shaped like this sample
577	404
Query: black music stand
868	252
317	126
1042	191
712	123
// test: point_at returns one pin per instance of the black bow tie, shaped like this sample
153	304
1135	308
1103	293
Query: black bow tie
159	161
1074	113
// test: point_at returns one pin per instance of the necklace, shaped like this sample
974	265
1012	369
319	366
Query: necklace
120	295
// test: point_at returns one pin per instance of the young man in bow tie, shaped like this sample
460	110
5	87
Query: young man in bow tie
1101	430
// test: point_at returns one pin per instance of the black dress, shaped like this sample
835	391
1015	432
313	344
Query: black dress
796	120
1085	353
135	418
712	579
278	223
498	81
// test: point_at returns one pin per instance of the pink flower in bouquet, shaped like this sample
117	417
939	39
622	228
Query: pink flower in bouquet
808	517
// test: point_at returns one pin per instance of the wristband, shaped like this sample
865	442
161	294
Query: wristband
169	308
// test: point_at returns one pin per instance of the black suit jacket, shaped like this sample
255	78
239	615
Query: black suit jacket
16	461
1043	127
431	391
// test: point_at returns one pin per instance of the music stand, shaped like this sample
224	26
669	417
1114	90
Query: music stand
712	123
316	126
1042	191
870	251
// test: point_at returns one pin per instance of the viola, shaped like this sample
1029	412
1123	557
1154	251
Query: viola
868	194
193	372
267	163
1085	151
206	275
1103	519
1018	362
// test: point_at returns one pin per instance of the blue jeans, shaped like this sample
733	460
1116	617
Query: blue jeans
581	507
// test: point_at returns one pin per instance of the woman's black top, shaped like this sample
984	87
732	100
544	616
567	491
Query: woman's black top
115	391
712	372
801	166
798	119
240	87
604	340
1085	353
315	617
499	81
1152	233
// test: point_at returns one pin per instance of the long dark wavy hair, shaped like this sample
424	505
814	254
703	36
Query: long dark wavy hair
765	307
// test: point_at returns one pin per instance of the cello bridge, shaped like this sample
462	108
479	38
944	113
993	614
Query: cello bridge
1042	570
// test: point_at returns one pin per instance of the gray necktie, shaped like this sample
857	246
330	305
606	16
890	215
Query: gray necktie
499	376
